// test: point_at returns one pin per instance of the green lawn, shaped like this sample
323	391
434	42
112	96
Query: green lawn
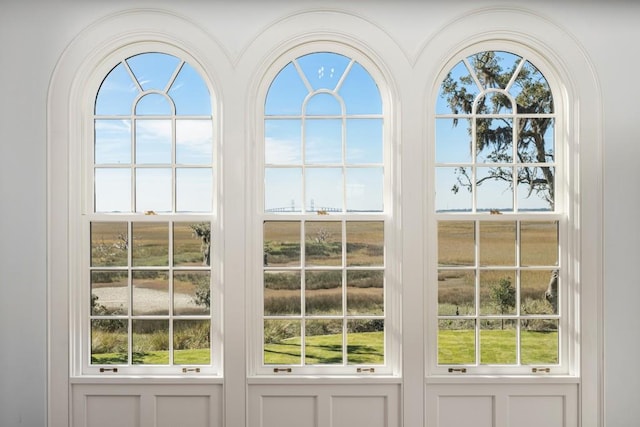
366	348
199	356
497	346
455	347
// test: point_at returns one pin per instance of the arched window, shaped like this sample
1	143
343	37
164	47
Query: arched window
150	211
500	219
325	220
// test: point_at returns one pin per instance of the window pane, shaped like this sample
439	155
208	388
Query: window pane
113	141
153	141
456	243
282	295
456	342
282	342
283	190
539	342
150	342
323	141
323	104
191	292
324	190
360	92
194	190
498	342
494	140
323	342
286	93
538	292
150	244
457	92
153	192
453	189
323	243
109	244
495	103
154	104
531	80
281	243
190	93
191	243
109	341
282	144
364	141
112	190
536	140
539	243
498	243
365	342
453	142
497	292
536	188
109	291
117	93
153	70
323	70
365	243
150	293
194	142
191	342
323	292
505	62
365	188
456	293
494	188
365	292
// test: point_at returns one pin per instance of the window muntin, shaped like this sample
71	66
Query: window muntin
149	227
498	220
324	218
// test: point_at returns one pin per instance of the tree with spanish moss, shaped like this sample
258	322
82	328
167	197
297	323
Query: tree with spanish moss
504	87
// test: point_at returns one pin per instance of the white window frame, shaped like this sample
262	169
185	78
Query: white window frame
390	216
565	213
81	214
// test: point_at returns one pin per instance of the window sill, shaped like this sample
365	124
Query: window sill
502	379
325	379
146	379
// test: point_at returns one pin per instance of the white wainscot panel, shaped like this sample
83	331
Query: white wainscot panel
108	411
536	411
183	411
324	405
289	411
502	405
456	411
146	405
350	411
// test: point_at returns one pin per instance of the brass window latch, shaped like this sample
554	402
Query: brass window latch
108	369
279	370
459	370
540	370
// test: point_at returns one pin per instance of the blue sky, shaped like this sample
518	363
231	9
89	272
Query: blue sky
323	139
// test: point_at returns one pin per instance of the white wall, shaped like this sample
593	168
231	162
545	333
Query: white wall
33	35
